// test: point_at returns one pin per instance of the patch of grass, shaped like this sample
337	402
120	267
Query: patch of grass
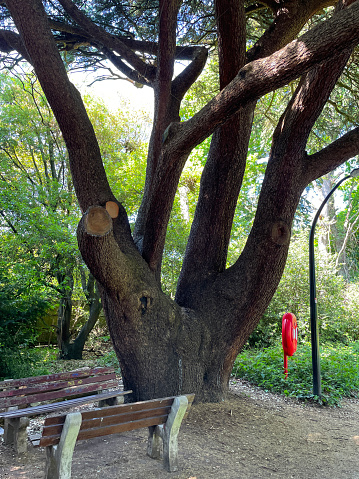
24	362
339	371
109	359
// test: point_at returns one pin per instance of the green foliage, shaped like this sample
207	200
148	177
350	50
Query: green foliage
38	210
339	368
36	198
337	300
21	303
23	361
109	359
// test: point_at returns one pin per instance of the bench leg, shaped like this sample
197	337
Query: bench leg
170	433
59	457
9	437
15	433
154	443
114	401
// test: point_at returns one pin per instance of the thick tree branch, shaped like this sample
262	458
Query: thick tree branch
106	259
109	41
125	69
332	156
166	111
264	75
165	60
290	18
10	41
307	104
222	176
182	83
182	52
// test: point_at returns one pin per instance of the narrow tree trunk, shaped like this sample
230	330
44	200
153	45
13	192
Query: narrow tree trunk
63	325
74	349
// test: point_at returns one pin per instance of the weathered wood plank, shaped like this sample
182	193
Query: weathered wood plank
54	385
113	410
98	422
61	393
58	406
98	432
14	383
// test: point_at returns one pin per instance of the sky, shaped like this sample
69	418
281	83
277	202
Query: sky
115	92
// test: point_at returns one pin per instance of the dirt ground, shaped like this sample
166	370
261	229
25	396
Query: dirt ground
250	435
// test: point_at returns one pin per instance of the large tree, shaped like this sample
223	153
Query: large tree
189	344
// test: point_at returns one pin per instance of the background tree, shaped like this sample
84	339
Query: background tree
166	346
38	209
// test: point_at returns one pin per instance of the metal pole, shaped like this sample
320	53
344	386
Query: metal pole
317	387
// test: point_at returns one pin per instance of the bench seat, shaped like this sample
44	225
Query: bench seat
162	416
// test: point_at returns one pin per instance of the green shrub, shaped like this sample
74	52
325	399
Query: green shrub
20	306
338	302
339	371
109	359
22	362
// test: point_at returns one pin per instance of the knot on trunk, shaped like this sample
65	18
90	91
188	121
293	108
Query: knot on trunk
145	302
280	233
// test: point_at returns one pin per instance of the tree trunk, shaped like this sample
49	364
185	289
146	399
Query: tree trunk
327	218
64	314
73	349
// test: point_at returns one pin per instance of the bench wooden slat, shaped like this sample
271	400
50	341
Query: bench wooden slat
105	431
58	406
51	386
67	375
123	408
124	427
52	430
113	410
124	418
126	408
51	395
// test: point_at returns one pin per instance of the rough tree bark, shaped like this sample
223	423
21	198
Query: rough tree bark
167	347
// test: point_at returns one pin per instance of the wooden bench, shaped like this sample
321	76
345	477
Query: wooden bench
83	386
163	417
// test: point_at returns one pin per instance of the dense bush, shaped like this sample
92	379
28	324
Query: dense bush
19	309
339	371
22	362
338	302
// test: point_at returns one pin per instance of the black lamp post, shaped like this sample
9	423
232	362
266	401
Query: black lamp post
317	388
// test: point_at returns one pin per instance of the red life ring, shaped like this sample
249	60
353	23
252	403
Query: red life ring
289	334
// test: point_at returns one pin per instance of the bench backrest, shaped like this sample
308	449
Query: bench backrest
113	419
18	392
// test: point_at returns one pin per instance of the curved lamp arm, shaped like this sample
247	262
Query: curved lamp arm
317	389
